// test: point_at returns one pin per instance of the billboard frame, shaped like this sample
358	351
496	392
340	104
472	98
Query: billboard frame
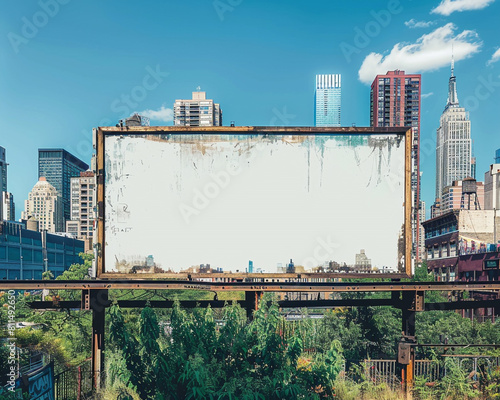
102	132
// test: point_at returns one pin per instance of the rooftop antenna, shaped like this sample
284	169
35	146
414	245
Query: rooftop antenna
452	61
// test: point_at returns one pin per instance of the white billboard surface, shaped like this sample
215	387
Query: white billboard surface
174	201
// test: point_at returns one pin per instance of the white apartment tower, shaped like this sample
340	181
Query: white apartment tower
82	200
45	204
8	211
453	142
199	111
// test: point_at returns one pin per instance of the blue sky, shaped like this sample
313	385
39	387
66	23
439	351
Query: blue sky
67	66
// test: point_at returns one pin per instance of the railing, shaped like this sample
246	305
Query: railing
75	383
382	371
386	372
428	369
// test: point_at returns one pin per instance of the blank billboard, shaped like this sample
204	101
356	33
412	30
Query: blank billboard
173	200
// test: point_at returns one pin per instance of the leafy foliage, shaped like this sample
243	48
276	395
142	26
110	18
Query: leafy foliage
193	358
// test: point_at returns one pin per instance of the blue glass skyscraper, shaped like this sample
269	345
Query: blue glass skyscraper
58	167
327	100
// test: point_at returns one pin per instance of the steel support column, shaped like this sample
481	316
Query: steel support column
98	304
252	302
411	303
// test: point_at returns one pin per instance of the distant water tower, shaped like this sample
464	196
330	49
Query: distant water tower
134	120
469	189
32	223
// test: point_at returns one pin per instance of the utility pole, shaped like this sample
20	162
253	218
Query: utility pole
21	274
495	227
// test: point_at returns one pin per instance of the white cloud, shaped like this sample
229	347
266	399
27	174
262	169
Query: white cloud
425	95
446	7
163	114
412	23
430	52
494	58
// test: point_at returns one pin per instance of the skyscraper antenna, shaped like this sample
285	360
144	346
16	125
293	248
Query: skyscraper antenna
452	61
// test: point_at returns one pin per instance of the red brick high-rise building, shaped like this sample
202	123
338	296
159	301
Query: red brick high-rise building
395	101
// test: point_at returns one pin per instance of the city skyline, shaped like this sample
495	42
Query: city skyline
62	78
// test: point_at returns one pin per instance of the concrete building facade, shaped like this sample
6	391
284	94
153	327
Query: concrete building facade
362	262
45	204
3	170
327	100
82	206
199	111
8	211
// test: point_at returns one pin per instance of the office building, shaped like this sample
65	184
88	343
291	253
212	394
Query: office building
435	209
45	204
421	231
82	207
327	100
395	101
58	166
8	211
199	111
453	142
3	181
3	170
362	263
26	254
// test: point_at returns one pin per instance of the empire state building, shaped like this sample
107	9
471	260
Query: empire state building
453	142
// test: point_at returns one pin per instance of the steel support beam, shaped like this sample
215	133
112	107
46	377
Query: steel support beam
250	286
393	302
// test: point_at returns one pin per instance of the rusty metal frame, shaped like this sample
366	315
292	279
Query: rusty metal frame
102	132
250	286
